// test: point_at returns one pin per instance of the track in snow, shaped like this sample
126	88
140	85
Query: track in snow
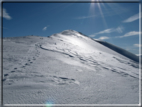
57	69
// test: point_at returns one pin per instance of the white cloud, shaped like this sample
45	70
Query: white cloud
102	32
85	17
5	14
106	31
45	28
132	18
137	45
132	33
103	38
118	29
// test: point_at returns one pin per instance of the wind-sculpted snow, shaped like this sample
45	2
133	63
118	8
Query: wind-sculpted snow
66	68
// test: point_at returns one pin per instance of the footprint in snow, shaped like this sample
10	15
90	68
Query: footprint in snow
5	75
124	74
64	81
26	64
113	70
108	69
23	66
4	79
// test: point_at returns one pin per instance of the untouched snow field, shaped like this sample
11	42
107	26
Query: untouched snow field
67	68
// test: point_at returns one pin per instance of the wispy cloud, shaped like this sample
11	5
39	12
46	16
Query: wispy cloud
103	38
102	32
137	45
119	29
85	17
132	18
132	33
45	28
110	30
106	31
5	14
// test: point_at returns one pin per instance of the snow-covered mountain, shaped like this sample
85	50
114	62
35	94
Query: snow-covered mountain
68	68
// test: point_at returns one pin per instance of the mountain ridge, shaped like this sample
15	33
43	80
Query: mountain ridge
108	45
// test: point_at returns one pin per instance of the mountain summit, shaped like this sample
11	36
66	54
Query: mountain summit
67	68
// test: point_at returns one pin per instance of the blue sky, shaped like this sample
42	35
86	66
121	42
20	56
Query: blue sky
116	23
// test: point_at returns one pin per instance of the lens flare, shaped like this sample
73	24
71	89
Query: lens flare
102	15
97	3
92	7
49	104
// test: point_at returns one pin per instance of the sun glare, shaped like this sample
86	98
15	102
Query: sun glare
76	42
94	4
49	104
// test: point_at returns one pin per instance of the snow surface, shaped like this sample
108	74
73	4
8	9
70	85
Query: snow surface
120	50
67	68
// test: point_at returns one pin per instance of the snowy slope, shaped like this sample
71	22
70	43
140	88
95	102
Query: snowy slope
120	50
66	68
88	51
